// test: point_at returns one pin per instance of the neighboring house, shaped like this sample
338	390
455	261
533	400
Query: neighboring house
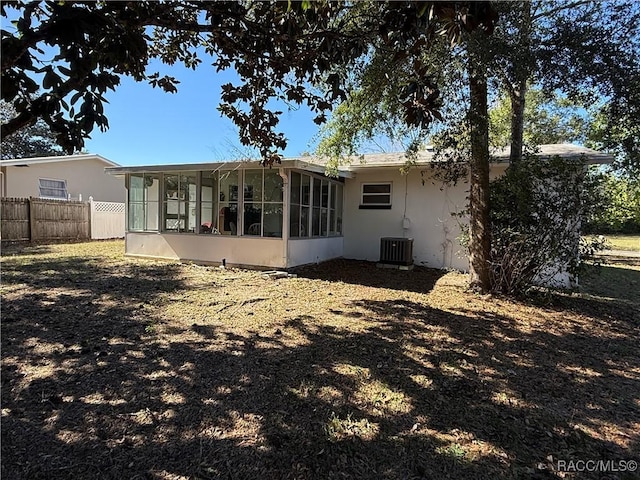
240	213
75	177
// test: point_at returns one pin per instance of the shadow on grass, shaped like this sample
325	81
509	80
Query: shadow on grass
420	393
24	248
357	272
618	282
609	294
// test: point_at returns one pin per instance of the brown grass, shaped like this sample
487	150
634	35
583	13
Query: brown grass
123	368
624	242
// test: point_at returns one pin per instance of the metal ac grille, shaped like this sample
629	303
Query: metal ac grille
396	251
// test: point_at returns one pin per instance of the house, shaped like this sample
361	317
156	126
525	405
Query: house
240	213
75	177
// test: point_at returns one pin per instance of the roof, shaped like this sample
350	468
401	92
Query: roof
367	161
499	156
304	163
25	162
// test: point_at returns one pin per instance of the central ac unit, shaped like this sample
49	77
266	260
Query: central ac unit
396	251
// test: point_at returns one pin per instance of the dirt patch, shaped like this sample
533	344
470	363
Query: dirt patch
125	368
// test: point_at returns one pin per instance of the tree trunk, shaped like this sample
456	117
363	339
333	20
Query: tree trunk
517	121
523	73
479	228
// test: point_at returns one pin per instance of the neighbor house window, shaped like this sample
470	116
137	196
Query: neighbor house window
376	195
50	188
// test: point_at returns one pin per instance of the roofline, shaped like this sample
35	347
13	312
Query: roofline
499	157
56	158
214	166
591	157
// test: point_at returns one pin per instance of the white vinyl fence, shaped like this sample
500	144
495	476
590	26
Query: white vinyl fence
107	220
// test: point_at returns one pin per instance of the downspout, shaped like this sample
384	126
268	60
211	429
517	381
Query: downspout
285	216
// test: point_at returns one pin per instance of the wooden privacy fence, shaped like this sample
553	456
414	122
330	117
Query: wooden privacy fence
14	219
41	220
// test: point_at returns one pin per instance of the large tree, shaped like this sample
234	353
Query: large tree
587	50
278	49
581	52
547	118
62	58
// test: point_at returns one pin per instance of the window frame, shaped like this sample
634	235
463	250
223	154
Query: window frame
326	212
51	197
182	201
375	205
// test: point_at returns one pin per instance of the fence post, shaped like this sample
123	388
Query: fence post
91	213
32	221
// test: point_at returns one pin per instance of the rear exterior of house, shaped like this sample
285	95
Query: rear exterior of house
240	213
68	177
236	213
426	212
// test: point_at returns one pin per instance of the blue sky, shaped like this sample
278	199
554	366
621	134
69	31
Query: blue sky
149	126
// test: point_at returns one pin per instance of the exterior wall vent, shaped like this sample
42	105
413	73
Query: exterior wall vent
396	251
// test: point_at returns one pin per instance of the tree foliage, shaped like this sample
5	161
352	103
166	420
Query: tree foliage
617	130
588	50
548	119
278	49
614	203
36	140
536	212
62	58
582	53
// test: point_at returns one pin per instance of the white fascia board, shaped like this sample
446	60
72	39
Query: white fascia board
56	159
214	166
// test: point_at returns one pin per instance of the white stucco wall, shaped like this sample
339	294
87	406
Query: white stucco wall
313	250
84	177
428	212
238	251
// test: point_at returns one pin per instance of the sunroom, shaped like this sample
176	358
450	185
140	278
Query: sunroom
234	213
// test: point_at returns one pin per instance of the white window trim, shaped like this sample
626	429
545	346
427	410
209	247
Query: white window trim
362	194
40	187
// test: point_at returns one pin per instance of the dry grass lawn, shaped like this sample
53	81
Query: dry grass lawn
624	242
118	368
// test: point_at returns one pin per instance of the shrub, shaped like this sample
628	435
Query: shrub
536	212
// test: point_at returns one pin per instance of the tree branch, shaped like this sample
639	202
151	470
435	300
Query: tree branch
548	13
